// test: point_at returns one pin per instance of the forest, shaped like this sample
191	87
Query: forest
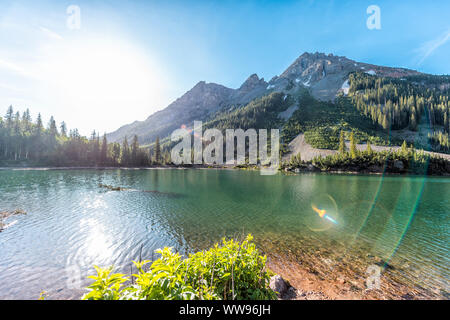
380	110
29	142
399	104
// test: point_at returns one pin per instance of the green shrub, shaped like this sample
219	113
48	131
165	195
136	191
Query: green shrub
323	138
416	162
232	270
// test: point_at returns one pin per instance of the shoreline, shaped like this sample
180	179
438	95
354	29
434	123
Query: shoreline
203	167
316	275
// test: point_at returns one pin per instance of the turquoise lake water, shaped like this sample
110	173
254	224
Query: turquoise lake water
72	223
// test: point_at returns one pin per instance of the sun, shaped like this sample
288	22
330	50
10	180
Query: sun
108	80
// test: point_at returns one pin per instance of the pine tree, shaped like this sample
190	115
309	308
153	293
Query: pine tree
125	160
157	151
353	150
134	150
342	143
39	127
104	151
385	123
26	120
413	122
52	127
95	142
116	153
369	148
63	129
404	149
446	122
9	117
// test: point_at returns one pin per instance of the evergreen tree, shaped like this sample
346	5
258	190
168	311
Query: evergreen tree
116	153
125	160
342	143
446	122
39	125
26	121
134	150
104	151
404	149
52	127
63	129
353	150
95	148
9	117
413	122
369	148
157	151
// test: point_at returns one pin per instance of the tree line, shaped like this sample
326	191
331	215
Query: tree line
403	160
402	103
22	139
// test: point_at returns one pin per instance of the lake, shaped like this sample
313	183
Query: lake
399	224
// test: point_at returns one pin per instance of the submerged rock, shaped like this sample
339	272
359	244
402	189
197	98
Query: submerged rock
5	214
278	285
113	188
312	168
399	165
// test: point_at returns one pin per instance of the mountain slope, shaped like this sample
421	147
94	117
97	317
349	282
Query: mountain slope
323	75
199	103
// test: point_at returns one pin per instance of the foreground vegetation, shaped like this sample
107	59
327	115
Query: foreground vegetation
230	270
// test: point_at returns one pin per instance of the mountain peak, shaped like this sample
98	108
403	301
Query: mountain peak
252	82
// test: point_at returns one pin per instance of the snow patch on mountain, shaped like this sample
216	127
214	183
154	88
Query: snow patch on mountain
345	87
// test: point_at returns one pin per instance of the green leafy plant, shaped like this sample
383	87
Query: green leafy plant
230	270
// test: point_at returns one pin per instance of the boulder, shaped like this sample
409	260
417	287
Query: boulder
312	168
278	285
399	165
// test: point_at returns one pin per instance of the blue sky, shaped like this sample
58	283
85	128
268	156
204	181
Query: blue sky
132	58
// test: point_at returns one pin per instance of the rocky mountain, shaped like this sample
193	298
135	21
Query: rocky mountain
199	103
323	75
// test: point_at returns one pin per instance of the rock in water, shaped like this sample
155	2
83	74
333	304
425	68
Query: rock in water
399	165
278	285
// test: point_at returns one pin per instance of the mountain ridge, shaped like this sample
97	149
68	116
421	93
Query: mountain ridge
324	75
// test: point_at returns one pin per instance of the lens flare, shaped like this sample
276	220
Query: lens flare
324	214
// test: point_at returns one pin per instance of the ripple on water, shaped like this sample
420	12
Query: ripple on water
72	222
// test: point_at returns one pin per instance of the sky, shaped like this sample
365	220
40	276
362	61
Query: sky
98	65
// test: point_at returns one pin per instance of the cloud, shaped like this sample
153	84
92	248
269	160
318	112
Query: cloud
6	65
427	48
9	87
51	34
